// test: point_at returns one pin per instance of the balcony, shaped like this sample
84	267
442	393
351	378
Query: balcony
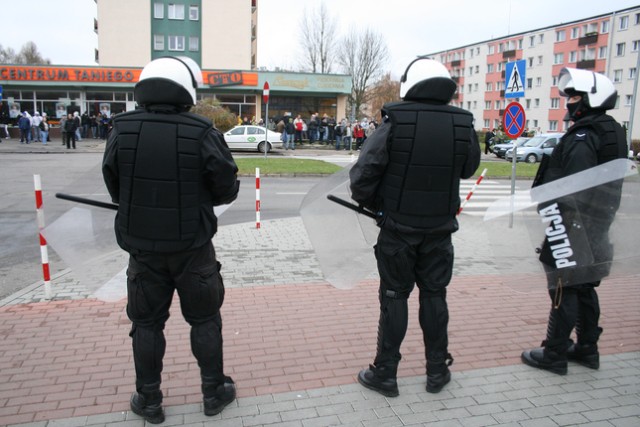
502	93
508	54
456	79
589	38
503	73
586	64
455	63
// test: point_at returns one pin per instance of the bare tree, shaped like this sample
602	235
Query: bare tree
383	91
363	55
318	29
28	55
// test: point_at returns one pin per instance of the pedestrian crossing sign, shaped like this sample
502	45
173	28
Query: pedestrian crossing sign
515	78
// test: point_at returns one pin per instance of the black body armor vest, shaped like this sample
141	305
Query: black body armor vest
164	206
429	146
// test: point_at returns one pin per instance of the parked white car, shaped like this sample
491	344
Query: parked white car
249	137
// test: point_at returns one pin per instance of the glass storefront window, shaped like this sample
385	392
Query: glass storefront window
229	98
100	96
45	94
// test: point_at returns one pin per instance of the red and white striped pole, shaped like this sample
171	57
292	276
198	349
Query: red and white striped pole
464	202
44	254
257	197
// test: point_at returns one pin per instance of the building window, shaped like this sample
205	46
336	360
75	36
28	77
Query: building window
176	43
590	28
538	81
540	60
529	83
536	103
489	87
194	44
541	38
560	36
553	125
555	103
637	20
477	69
487	122
158	42
527	103
530	61
475	87
497	105
602	52
628	100
532	41
489	68
620	49
158	10
634	45
604	27
558	58
175	11
487	105
588	54
632	73
617	76
575	32
624	22
573	56
194	13
491	49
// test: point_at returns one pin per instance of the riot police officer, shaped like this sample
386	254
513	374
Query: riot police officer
409	173
593	139
167	168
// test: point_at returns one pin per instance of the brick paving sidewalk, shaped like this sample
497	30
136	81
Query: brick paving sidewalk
65	359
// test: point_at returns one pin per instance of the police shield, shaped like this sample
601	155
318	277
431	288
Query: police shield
574	230
341	238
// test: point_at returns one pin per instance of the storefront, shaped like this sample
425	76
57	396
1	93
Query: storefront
58	90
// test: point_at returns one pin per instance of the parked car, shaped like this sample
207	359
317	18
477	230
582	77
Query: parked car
500	149
532	150
249	137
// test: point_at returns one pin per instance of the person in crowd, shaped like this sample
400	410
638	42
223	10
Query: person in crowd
289	132
488	140
35	127
78	120
44	129
24	124
404	177
63	131
168	236
299	125
358	135
85	123
313	128
70	128
594	139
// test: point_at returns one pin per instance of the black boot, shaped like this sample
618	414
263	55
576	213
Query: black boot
147	402
543	358
217	395
584	354
438	374
380	379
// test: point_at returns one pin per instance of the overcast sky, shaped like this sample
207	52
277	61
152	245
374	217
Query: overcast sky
63	29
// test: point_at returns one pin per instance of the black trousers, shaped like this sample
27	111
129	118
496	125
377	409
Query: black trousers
405	260
151	281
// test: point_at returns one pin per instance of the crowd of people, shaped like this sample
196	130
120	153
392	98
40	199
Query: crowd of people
73	126
324	130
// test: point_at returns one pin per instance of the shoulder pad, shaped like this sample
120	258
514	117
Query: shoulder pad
581	135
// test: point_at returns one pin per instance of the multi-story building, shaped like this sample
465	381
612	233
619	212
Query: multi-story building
217	34
608	44
220	35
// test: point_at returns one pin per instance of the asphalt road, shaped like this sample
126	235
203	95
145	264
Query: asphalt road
79	174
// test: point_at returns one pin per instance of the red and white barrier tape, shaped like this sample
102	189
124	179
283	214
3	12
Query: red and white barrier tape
44	254
464	202
257	197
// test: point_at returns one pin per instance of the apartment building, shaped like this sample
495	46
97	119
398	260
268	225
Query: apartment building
608	44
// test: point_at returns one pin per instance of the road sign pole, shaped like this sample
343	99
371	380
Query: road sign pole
265	98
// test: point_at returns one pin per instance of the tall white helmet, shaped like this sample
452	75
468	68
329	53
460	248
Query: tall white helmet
169	80
597	90
427	79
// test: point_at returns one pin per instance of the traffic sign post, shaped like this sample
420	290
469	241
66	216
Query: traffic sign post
265	99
